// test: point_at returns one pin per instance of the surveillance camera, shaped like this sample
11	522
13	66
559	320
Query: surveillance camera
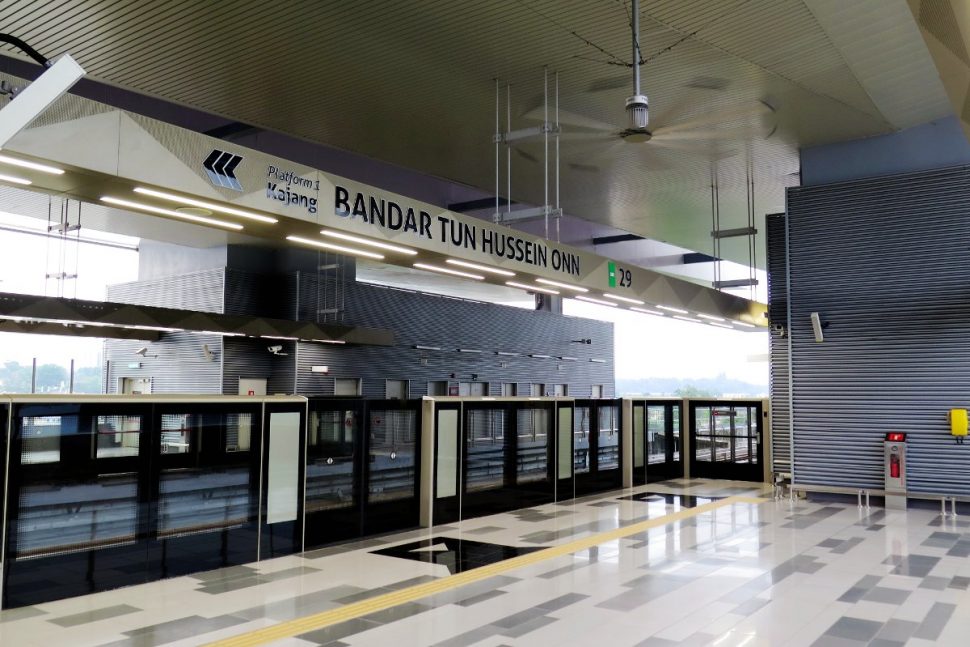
274	349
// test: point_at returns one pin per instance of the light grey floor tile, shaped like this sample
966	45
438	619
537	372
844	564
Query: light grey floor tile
854	629
886	595
934	623
94	615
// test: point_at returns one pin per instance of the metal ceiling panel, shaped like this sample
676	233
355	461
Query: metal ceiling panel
412	83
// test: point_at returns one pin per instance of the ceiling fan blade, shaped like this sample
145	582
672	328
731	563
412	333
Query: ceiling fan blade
570	119
710	150
609	83
734	134
585	137
758	109
526	156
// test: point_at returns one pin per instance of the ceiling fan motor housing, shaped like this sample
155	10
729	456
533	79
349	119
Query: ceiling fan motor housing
637	110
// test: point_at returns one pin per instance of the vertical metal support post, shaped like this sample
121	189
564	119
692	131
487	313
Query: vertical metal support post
508	148
70	387
498	134
545	143
33	377
558	208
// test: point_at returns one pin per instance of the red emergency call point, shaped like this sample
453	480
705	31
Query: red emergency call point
896	437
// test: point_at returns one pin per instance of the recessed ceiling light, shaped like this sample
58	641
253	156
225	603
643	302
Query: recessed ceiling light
15	180
480	268
596	301
335	248
202	204
531	288
617	297
366	241
565	286
710	318
128	204
648	312
445	270
43	168
669	309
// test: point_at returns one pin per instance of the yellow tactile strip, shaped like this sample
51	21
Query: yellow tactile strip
330	617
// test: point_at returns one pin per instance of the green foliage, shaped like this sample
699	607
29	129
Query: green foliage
51	378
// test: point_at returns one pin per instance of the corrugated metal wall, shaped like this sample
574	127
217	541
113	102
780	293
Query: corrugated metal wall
886	262
249	358
415	318
201	291
450	324
176	363
778	345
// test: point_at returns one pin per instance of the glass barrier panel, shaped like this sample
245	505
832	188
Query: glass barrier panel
446	450
581	457
566	454
202	487
676	411
391	459
485	443
532	451
65	504
608	438
638	435
703	435
656	433
331	454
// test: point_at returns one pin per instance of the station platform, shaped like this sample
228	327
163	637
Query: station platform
681	562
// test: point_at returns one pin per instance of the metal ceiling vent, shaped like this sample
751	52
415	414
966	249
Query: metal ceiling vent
637	109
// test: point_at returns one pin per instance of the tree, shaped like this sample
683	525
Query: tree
691	391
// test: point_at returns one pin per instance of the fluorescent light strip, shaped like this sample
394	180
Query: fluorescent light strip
669	309
480	268
192	202
329	341
648	312
219	332
744	324
569	359
597	301
506	354
721	325
336	248
15	180
43	168
279	337
626	299
540	356
488	399
170	213
420	347
598	361
534	399
530	288
371	243
565	286
710	318
692	320
445	270
469	350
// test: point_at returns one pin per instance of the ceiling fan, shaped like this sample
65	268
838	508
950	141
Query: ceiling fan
705	133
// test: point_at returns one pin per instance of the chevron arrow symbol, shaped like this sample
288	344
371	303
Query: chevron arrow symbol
220	166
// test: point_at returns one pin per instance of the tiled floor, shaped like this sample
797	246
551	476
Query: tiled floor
775	573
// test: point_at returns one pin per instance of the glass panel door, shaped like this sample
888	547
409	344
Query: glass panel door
727	440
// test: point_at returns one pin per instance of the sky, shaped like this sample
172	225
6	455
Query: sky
645	345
